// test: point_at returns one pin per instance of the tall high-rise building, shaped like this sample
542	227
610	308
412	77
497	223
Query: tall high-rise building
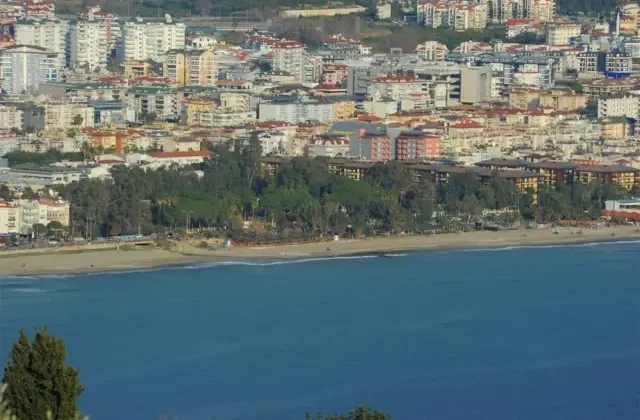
191	67
89	45
151	40
49	34
23	68
289	56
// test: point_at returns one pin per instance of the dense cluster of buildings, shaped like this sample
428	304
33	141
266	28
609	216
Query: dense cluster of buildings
154	93
20	215
463	15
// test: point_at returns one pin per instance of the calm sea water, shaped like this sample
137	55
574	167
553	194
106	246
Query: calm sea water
533	333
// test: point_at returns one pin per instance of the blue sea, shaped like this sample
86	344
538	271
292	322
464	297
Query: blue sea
517	333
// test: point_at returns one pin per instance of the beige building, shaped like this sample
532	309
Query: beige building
560	33
296	13
137	68
62	115
10	117
10	217
475	84
432	51
235	102
452	14
540	10
524	98
562	100
191	67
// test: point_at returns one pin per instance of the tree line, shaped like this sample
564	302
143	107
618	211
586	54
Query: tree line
39	385
230	190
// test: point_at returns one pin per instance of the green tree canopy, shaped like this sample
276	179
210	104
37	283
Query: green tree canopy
38	381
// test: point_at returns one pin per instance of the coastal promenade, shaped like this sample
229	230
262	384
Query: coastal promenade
107	258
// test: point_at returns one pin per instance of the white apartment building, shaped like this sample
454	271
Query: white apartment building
296	111
457	15
394	86
432	51
61	115
289	56
561	33
23	68
540	10
10	217
10	117
89	44
19	216
191	67
48	34
151	40
623	105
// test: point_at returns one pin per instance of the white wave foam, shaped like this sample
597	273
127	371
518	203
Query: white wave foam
572	245
34	290
202	265
211	264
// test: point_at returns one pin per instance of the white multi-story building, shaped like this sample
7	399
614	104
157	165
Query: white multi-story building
561	33
65	115
151	40
457	15
623	105
394	86
191	67
10	217
289	56
114	32
49	34
296	111
540	10
11	117
89	46
432	51
42	212
23	68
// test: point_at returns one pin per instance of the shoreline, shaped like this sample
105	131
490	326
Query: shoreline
86	261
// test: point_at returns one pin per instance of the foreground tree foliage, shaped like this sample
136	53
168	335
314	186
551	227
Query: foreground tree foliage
38	383
358	413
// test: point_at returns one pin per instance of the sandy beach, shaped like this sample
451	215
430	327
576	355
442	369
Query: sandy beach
68	261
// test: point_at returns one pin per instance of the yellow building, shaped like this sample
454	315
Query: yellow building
137	68
625	176
344	110
562	100
191	67
524	98
235	102
194	107
614	128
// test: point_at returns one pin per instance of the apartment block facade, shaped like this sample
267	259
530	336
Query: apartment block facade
23	68
48	34
151	40
289	56
191	67
89	44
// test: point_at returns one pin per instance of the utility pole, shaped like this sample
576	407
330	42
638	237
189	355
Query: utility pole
187	222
